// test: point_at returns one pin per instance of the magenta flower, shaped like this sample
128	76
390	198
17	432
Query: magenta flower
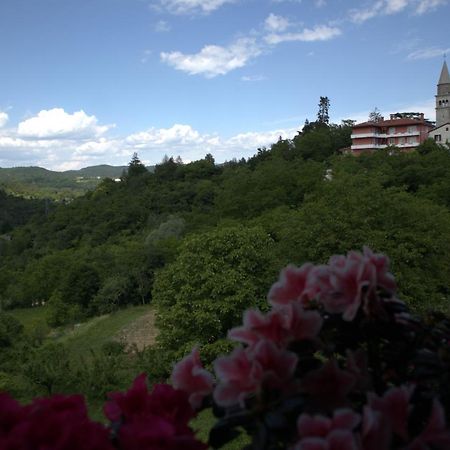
189	376
57	423
292	286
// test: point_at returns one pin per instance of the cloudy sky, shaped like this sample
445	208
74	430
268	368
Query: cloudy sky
86	82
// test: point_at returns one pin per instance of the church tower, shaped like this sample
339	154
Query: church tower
443	98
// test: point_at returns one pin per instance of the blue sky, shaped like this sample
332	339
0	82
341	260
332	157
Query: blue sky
86	82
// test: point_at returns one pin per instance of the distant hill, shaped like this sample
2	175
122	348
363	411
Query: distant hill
37	182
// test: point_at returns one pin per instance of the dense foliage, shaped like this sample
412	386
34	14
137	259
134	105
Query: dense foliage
202	241
338	362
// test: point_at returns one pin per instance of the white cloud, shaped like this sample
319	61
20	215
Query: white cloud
3	119
320	3
428	53
429	5
56	123
162	26
213	60
192	6
253	78
318	33
276	23
388	7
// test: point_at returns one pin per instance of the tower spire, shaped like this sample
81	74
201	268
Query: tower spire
445	77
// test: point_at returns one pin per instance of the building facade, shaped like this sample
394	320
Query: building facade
407	130
403	130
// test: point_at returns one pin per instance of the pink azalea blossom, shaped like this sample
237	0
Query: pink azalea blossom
386	415
189	376
319	432
257	326
292	286
246	372
278	365
280	326
239	376
329	385
380	262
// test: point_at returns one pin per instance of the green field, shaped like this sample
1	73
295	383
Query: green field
89	335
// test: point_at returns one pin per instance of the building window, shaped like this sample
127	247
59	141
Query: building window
401	141
412	129
391	141
437	137
391	130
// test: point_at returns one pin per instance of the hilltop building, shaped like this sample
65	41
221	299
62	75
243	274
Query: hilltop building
441	133
406	130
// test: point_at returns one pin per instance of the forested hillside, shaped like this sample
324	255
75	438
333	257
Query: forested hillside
36	182
15	211
202	242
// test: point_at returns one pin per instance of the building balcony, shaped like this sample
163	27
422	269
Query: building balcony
368	135
384	135
368	146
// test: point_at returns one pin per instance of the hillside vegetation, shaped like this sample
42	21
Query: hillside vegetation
36	182
202	242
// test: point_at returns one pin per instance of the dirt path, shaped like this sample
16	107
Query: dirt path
142	332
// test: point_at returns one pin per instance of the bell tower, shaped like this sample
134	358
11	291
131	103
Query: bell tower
443	97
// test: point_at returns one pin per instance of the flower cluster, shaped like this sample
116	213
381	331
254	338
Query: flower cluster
338	363
57	423
139	419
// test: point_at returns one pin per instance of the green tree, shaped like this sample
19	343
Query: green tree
216	276
135	167
323	116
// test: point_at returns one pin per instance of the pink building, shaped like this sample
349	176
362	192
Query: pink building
404	130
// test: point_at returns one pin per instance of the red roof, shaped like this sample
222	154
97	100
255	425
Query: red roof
393	123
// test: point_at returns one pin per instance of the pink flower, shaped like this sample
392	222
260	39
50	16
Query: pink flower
239	376
384	416
257	326
349	282
380	262
302	324
189	376
329	385
319	432
280	326
247	372
291	286
278	365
